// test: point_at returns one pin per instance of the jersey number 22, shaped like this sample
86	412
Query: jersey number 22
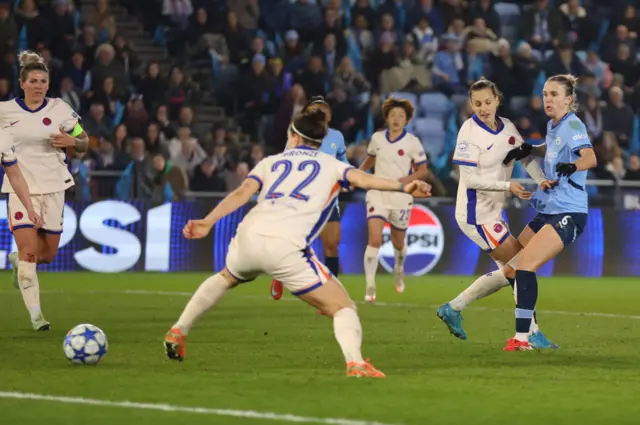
311	168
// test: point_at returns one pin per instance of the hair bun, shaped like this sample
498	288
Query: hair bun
27	57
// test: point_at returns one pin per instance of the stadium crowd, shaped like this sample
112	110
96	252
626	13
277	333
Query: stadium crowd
267	57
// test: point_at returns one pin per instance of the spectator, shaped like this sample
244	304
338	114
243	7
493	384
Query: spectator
591	115
351	80
541	26
67	93
426	9
447	66
618	117
185	152
166	175
136	117
633	171
120	138
154	142
179	92
247	12
96	123
483	9
305	18
5	90
8	28
424	40
152	87
314	78
364	13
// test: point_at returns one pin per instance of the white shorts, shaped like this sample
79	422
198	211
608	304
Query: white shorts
50	206
396	215
251	255
487	236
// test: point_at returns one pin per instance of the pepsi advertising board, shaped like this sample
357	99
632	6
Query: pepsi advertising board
116	236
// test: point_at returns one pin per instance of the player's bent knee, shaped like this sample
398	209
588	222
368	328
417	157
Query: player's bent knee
508	272
375	242
230	279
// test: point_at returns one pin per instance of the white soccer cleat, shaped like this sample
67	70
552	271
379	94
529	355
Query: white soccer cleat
40	324
370	295
399	282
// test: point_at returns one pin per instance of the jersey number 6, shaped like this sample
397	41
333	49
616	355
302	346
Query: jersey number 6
296	193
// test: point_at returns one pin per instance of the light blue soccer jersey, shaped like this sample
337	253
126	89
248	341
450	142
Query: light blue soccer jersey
564	142
333	144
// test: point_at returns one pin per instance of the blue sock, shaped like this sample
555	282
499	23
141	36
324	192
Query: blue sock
527	298
512	282
333	264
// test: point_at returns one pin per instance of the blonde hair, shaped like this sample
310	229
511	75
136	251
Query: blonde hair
568	82
31	61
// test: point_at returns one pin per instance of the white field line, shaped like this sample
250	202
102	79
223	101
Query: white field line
377	303
251	414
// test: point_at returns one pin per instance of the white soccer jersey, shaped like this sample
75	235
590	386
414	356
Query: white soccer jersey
480	147
7	154
297	192
43	166
394	160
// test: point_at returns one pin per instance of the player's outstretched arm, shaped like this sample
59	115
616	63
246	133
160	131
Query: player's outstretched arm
366	181
196	229
472	180
77	139
20	187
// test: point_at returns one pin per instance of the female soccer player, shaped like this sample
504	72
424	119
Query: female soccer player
297	189
333	144
562	208
483	142
399	155
42	128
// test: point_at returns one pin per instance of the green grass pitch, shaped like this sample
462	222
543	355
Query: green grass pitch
253	354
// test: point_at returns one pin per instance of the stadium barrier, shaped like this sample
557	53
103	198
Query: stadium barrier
116	236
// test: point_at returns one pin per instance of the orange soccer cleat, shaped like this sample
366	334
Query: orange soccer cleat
276	289
175	345
365	370
517	345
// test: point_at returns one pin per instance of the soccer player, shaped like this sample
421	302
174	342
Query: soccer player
333	144
297	189
483	142
563	208
395	154
41	127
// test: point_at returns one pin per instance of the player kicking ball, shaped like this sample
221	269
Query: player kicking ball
395	154
484	140
296	193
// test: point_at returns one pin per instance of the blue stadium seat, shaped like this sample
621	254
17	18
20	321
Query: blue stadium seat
509	18
434	105
459	100
405	95
432	134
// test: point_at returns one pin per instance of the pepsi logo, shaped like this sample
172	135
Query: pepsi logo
512	140
401	152
18	215
46	121
424	241
497	228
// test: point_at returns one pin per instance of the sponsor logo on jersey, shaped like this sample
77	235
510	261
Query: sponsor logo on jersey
580	136
424	241
490	146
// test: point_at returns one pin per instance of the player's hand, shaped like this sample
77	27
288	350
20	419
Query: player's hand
565	169
197	229
62	140
518	153
418	189
547	185
519	190
35	218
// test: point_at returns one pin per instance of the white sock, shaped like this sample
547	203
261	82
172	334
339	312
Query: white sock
29	287
483	286
521	336
208	294
370	265
348	331
400	256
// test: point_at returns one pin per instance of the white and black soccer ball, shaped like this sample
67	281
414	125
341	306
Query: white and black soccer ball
85	344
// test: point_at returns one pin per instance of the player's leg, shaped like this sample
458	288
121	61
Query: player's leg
399	220
25	261
328	295
376	226
559	231
330	237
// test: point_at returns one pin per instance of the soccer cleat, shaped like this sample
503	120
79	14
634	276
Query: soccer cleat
13	259
363	370
276	289
453	320
40	324
517	345
370	295
399	282
175	345
540	342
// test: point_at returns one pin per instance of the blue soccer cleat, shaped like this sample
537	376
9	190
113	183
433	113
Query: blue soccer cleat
453	320
540	342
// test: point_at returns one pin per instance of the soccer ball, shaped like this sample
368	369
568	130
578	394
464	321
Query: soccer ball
85	344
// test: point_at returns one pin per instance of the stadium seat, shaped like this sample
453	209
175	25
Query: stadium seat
432	134
434	105
518	103
509	14
459	100
405	95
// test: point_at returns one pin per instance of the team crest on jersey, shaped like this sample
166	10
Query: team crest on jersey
401	152
497	228
371	209
512	140
18	215
46	121
463	146
558	140
333	146
425	243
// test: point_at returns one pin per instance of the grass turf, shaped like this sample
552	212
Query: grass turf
252	353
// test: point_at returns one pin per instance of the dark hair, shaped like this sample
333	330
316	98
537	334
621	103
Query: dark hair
311	126
317	103
31	61
483	84
393	102
568	82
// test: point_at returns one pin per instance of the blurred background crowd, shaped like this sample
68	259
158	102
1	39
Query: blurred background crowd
186	96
